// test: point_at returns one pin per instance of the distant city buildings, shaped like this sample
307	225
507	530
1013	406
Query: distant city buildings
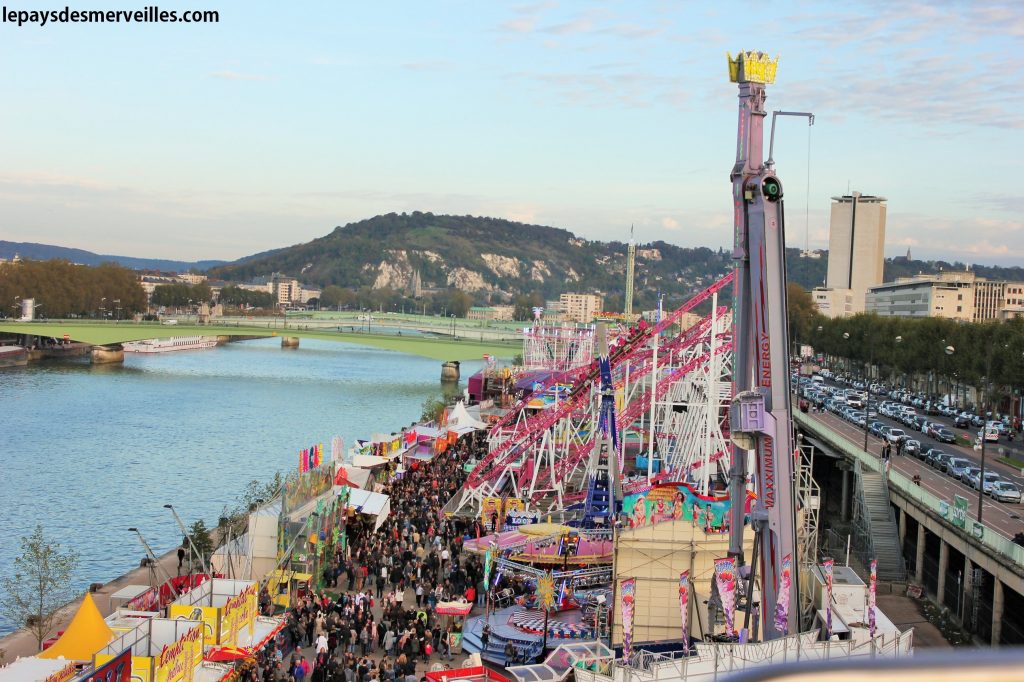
856	254
581	307
959	295
494	313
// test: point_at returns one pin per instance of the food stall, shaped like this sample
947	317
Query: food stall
452	615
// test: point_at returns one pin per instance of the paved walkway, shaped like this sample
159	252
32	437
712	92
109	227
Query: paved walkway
905	613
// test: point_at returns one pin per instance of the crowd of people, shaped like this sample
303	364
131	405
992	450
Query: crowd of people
375	618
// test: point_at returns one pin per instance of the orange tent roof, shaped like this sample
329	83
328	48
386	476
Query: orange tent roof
85	635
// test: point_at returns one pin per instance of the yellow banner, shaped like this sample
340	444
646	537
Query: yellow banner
177	662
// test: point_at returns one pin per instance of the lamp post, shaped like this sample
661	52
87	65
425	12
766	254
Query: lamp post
453	324
867	393
154	563
103	309
117	302
983	404
192	546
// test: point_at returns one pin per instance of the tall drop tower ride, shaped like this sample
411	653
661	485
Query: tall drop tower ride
630	269
761	417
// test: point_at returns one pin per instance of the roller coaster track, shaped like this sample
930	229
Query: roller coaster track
498	460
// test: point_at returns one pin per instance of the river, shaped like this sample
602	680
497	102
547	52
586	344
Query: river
89	451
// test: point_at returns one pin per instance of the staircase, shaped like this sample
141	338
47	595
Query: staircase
875	523
598	508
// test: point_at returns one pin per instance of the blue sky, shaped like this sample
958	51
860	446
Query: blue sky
286	119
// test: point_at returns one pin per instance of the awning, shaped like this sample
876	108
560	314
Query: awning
428	432
371	504
421	452
369	461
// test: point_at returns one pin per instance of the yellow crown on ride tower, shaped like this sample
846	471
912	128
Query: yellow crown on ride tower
752	67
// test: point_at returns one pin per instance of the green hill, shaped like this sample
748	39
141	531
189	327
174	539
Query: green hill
483	255
492	258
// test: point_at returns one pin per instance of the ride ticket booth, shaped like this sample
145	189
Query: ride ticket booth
452	615
287	587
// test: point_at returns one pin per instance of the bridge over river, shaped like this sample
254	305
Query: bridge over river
98	333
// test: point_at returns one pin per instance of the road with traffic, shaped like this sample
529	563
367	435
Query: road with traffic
1004	518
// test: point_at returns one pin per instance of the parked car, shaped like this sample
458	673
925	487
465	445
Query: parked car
875	428
896	435
944	435
957	466
936	458
1004	491
968	473
912	447
990	478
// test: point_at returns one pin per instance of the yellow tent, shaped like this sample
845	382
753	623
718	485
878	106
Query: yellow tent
85	635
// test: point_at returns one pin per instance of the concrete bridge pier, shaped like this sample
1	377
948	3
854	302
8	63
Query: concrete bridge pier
450	371
919	559
289	342
222	339
997	611
107	355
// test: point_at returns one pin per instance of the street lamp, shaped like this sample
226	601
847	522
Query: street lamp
154	563
195	551
867	393
102	307
453	325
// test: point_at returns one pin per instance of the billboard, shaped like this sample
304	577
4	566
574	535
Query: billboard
117	669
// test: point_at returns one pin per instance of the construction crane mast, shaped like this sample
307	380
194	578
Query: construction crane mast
761	417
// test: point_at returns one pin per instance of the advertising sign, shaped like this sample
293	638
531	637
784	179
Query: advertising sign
872	591
177	662
675	502
684	602
959	510
210	615
628	589
782	605
725	577
117	669
64	674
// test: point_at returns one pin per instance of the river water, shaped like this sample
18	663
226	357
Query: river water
89	451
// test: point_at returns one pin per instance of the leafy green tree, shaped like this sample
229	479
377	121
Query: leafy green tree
39	584
432	408
200	536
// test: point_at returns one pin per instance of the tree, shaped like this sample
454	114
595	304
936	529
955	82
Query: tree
200	536
432	409
39	586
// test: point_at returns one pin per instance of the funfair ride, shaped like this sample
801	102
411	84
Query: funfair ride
544	456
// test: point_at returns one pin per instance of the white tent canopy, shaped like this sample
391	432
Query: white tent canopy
370	503
460	418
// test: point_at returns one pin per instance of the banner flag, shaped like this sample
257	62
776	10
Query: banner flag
826	567
872	591
628	612
684	602
725	578
782	605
